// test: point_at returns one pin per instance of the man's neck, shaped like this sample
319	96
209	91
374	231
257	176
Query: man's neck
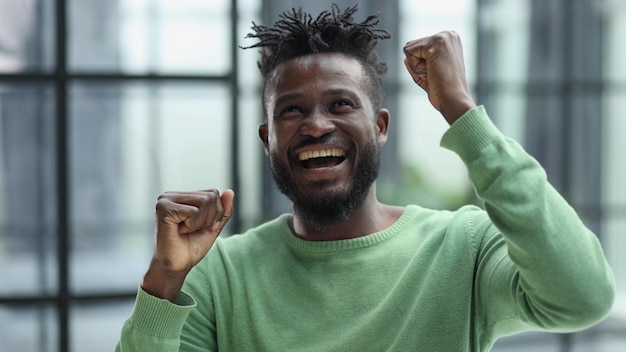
371	217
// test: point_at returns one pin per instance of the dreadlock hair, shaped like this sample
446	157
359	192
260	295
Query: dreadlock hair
298	34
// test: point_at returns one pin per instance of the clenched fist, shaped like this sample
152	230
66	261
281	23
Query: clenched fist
187	225
436	64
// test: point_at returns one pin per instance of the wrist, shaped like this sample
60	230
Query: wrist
452	112
161	283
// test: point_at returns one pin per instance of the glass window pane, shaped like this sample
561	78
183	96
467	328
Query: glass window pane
28	193
431	176
614	146
508	23
507	109
96	327
150	36
614	243
130	143
251	160
614	191
615	35
26	36
251	155
614	167
29	329
420	19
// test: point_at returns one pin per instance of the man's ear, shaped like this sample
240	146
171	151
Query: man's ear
382	126
263	135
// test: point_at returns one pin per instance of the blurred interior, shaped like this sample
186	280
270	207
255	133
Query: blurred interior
106	104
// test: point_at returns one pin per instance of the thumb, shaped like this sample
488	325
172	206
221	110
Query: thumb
227	199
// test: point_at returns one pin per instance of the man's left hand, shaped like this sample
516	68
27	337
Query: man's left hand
436	64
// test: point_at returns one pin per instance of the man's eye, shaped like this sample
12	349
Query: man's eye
291	111
342	106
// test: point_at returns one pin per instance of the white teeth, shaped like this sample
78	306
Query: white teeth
320	154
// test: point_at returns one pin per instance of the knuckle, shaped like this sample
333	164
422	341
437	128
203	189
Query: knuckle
445	36
209	195
439	38
191	212
454	34
161	204
208	198
163	196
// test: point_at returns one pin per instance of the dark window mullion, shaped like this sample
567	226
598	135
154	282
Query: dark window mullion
62	161
234	112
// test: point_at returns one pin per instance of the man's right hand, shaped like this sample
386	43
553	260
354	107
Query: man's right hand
187	225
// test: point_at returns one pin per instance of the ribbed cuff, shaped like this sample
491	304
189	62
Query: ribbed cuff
470	134
159	317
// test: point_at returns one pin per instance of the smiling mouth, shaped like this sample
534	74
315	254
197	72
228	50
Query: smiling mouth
317	159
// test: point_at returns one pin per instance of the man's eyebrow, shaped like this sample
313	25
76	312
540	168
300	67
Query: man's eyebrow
341	91
330	92
337	91
287	97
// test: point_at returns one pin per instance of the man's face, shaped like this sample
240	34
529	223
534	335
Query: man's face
322	136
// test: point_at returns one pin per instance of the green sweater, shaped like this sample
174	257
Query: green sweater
434	281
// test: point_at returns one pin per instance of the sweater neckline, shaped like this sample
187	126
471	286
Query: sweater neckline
298	243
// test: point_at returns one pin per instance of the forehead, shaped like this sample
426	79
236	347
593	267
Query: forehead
316	69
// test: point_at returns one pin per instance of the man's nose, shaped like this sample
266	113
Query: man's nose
316	125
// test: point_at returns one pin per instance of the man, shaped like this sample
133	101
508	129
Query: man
345	272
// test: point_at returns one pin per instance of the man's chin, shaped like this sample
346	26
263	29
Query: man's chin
323	192
326	202
328	208
320	216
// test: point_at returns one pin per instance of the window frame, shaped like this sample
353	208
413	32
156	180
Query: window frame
61	79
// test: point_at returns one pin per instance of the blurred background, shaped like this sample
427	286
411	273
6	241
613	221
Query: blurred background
104	105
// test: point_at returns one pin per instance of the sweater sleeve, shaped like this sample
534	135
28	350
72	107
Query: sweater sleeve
155	324
538	266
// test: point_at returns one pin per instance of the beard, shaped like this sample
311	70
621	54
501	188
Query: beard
328	209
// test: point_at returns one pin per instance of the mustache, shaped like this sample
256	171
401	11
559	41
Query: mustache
329	140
